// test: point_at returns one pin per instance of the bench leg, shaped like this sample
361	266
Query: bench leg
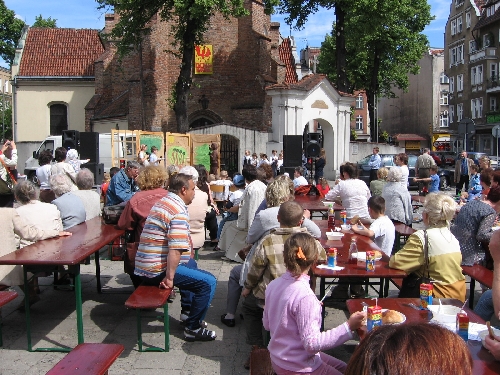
196	254
139	329
166	331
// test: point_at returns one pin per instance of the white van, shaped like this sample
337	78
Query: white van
55	141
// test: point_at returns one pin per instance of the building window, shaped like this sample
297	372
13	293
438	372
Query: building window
452	84
443	78
453	27
493	72
443	99
58	119
493	103
460	112
472	46
467	20
487	40
459	24
443	119
359	123
476	108
458	3
359	102
457	55
451	113
460	82
476	75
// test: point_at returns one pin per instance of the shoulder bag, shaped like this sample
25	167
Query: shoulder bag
7	187
411	283
111	214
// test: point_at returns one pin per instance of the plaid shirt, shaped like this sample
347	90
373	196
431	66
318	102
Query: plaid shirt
268	262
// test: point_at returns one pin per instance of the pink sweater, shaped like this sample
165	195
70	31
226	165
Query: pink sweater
293	316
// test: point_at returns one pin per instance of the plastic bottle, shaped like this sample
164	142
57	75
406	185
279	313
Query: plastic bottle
331	216
353	249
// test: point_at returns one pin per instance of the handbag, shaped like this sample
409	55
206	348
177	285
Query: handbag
111	214
7	187
411	283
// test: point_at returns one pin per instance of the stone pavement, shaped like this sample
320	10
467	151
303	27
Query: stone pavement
107	320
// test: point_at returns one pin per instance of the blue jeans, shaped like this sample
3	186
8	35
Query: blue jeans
484	307
197	288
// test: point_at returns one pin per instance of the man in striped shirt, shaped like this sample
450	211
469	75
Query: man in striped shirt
164	257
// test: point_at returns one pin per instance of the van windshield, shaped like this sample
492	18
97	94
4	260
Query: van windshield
47	145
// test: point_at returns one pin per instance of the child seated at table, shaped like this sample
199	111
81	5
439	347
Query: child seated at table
382	230
292	314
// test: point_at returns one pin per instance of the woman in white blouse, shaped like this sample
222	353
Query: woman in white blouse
352	193
401	161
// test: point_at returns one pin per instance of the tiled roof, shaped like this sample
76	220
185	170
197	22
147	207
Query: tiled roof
117	108
487	20
286	56
60	52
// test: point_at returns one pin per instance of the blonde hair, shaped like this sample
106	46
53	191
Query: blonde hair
152	177
440	209
382	173
278	192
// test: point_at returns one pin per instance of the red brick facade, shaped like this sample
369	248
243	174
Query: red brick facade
245	61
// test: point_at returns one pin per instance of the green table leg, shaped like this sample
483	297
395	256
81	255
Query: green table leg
166	327
78	294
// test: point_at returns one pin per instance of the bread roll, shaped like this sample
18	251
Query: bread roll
378	254
391	317
355	220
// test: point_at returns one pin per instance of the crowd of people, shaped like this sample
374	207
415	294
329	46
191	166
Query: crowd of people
166	212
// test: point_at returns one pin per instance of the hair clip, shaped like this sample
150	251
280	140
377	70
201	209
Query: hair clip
300	254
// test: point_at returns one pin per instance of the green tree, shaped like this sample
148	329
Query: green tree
45	22
6	122
191	18
10	32
373	46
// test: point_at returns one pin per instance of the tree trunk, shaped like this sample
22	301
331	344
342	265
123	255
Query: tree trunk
342	80
371	114
183	85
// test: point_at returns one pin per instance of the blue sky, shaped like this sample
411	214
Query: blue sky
84	14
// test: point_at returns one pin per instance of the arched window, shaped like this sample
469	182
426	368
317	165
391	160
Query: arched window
200	122
58	119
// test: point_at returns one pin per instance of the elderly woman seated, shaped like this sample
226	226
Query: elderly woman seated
69	205
443	251
91	200
398	206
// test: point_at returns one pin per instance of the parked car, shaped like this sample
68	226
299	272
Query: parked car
445	176
438	158
449	156
476	156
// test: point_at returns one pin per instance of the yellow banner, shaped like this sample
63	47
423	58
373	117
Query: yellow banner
412	145
203	59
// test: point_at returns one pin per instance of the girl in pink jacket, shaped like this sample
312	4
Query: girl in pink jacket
292	314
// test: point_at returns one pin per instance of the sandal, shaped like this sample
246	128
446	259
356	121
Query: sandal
201	334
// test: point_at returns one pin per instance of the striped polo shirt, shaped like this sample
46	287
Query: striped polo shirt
166	228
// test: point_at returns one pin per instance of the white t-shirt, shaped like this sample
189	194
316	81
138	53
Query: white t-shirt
299	181
404	176
235	196
43	175
384	234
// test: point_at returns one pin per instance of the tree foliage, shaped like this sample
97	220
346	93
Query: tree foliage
10	32
373	46
45	22
191	20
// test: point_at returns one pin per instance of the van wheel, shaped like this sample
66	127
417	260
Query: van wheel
32	177
443	183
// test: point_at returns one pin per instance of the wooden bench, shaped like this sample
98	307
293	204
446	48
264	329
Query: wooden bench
150	297
88	359
5	298
479	273
260	362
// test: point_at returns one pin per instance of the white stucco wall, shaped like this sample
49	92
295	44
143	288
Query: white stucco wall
32	106
292	110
